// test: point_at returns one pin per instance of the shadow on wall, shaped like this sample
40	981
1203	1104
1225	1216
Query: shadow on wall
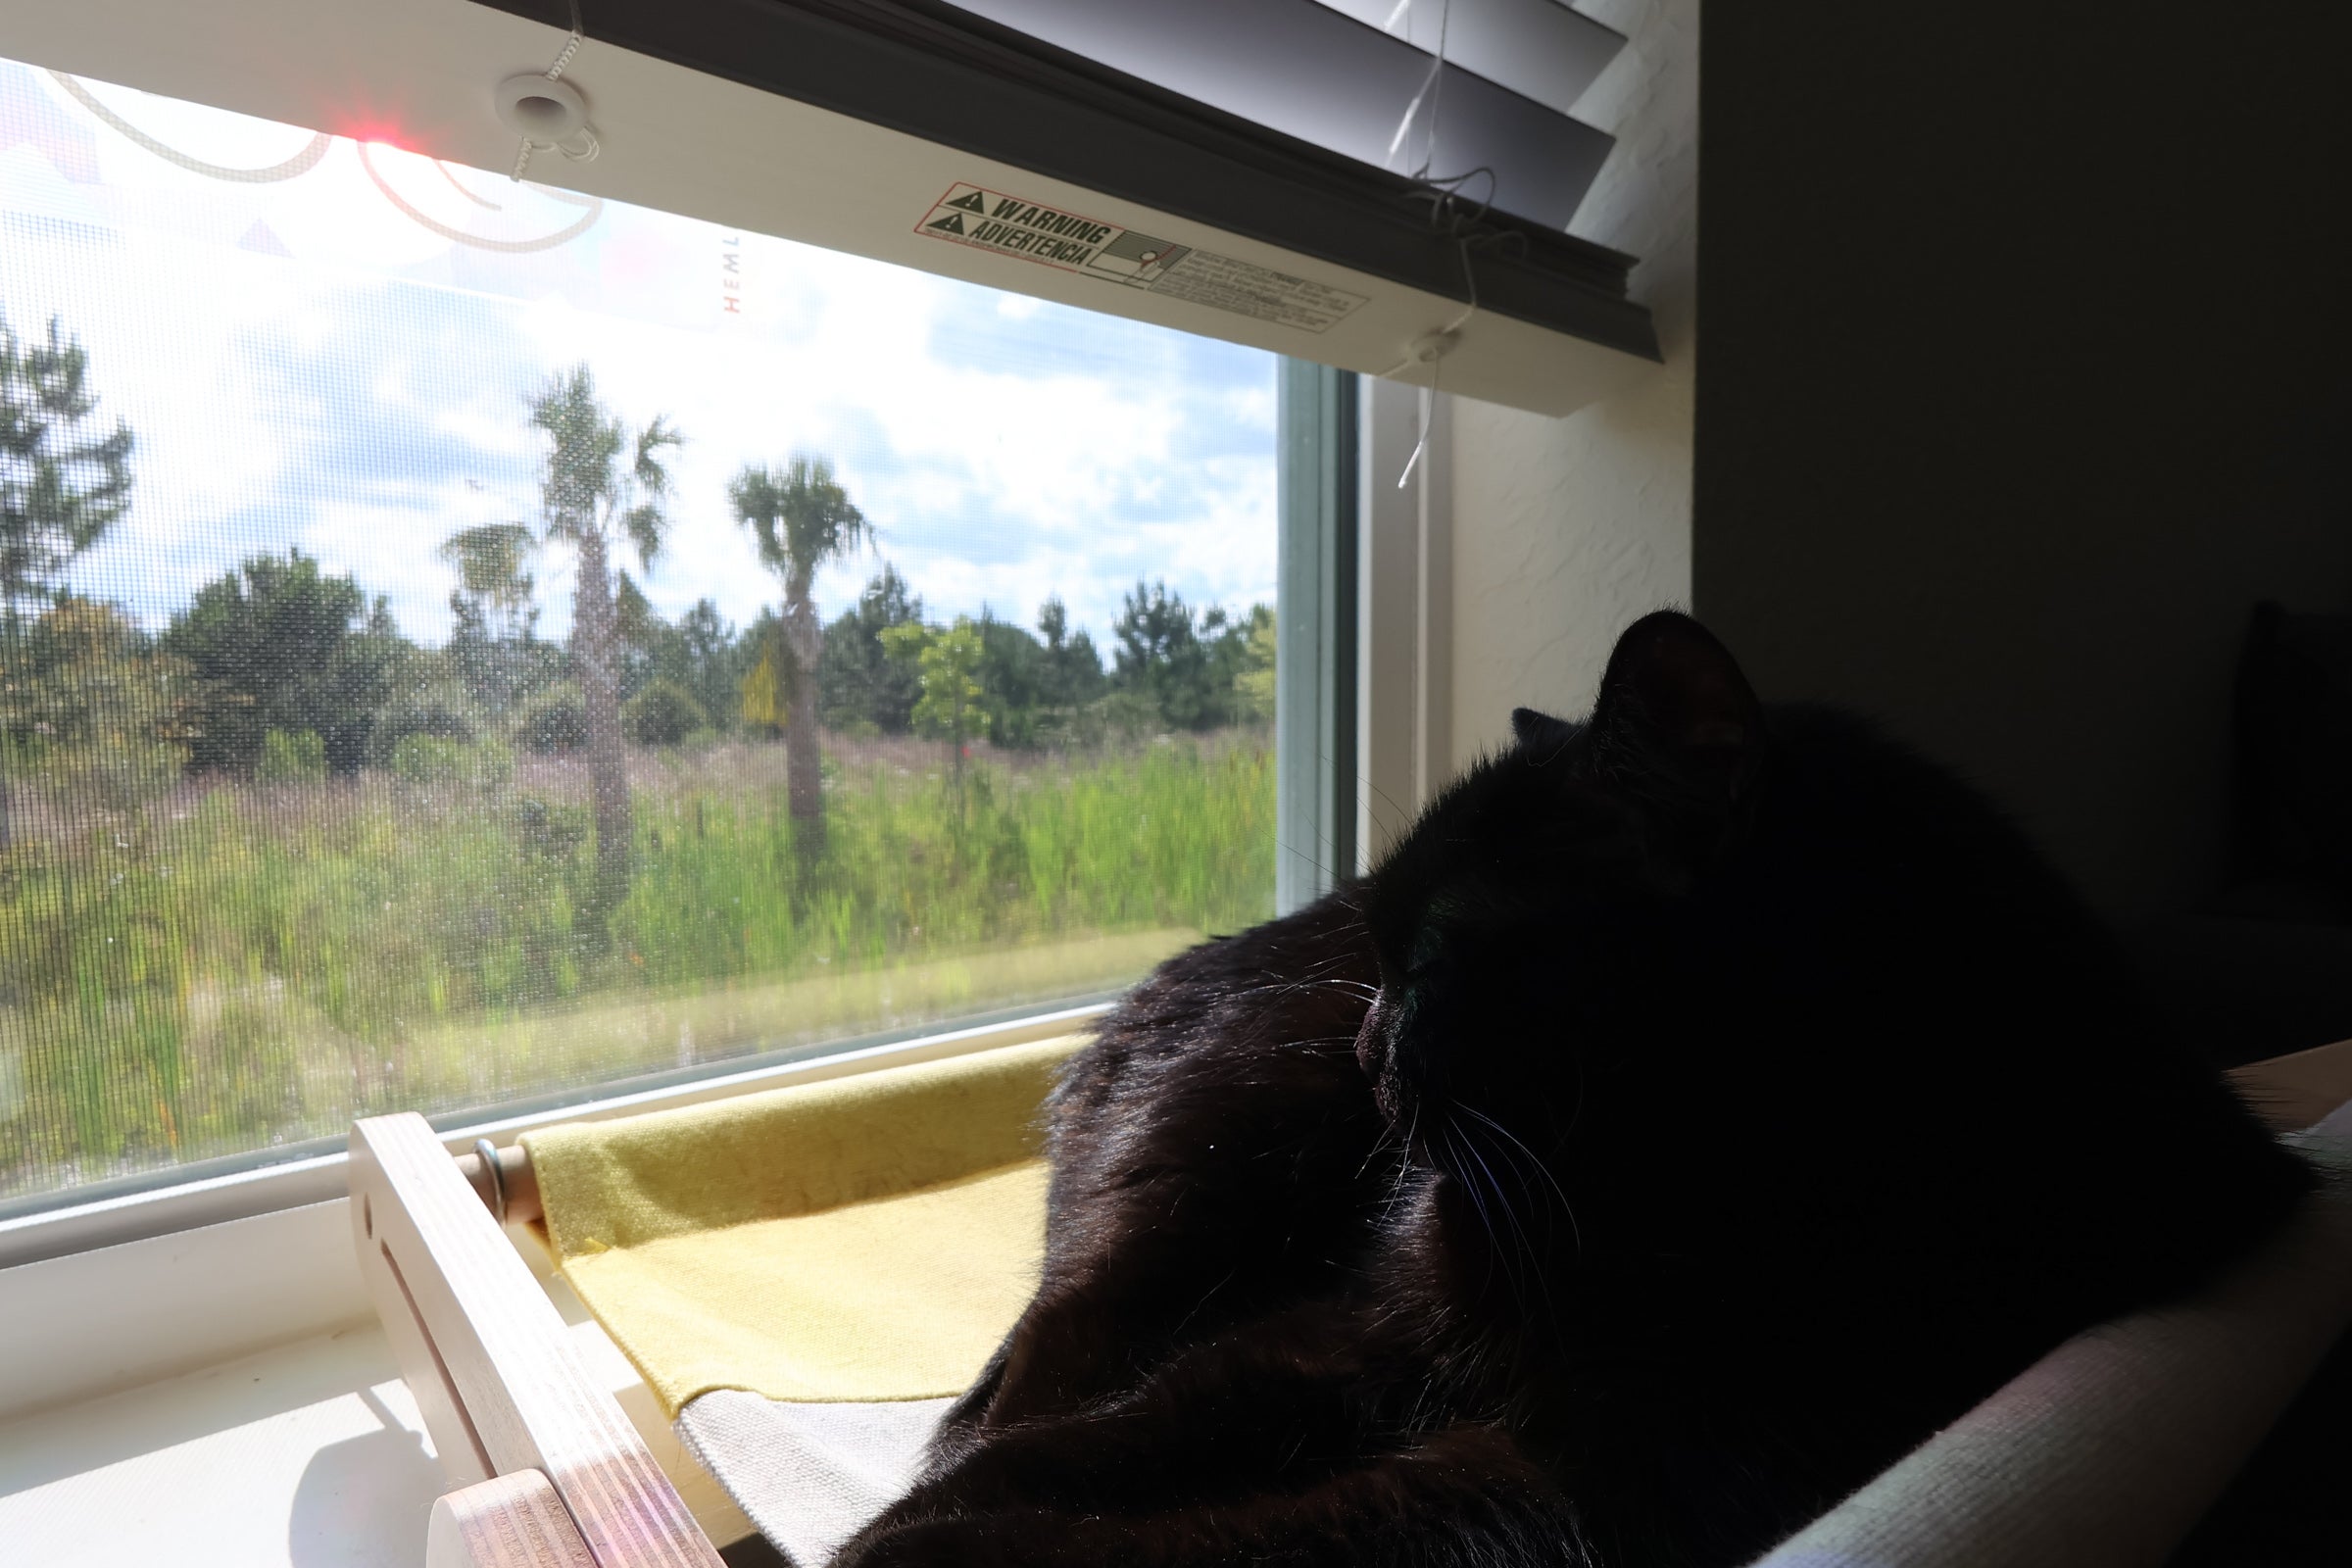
2024	381
2266	967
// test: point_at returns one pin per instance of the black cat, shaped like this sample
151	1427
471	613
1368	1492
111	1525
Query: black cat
1701	1105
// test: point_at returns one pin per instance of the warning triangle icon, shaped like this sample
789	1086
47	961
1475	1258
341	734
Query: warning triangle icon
969	201
953	223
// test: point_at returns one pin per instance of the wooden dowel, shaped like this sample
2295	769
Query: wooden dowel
514	1174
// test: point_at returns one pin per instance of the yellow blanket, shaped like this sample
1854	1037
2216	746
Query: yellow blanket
865	1238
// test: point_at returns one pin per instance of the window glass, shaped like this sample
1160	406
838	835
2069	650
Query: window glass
462	640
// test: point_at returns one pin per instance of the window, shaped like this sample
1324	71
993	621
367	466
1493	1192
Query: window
463	642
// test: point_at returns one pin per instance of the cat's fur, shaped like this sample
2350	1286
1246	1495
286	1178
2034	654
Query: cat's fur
1702	1104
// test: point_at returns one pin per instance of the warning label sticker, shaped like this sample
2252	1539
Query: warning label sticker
968	215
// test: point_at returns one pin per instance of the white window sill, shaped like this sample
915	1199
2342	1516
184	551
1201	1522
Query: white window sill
307	1455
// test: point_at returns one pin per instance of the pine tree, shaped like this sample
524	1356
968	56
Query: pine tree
63	482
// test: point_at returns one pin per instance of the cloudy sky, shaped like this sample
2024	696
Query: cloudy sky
337	360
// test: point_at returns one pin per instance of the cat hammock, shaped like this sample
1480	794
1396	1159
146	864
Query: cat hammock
806	1277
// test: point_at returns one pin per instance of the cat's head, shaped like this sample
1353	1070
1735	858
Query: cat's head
1694	923
1735	1015
1528	911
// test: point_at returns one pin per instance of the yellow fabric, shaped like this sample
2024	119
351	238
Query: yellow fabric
865	1238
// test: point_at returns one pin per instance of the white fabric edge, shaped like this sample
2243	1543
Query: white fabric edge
806	1474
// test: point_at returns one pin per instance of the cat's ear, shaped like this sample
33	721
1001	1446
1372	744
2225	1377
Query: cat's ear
1676	716
1540	734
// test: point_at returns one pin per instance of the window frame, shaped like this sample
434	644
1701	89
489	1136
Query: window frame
1318	442
109	1291
117	1283
1318	428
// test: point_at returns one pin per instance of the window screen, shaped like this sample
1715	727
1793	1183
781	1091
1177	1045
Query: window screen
462	641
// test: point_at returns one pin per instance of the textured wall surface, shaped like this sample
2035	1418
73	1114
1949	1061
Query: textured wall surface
1566	530
2028	358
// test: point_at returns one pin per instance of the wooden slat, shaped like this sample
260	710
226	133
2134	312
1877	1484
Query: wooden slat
514	1521
459	1446
517	1393
2293	1092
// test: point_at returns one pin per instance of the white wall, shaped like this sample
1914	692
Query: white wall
1566	530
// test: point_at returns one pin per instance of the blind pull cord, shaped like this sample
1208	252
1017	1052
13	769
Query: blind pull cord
1431	348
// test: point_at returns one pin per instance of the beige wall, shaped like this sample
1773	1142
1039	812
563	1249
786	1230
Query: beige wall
1565	529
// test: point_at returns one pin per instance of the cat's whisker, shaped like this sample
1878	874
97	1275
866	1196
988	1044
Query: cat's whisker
1404	1166
1526	1249
1576	1231
1552	1311
1332	962
1293	987
1511	1162
1478	1202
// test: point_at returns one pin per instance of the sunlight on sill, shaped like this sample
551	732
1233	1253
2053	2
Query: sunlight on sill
309	1454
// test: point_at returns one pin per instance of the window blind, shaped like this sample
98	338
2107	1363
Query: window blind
948	140
1336	76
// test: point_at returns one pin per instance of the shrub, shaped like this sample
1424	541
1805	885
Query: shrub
89	712
550	830
662	714
431	759
438	707
277	644
489	764
1126	713
291	757
428	759
556	721
121	775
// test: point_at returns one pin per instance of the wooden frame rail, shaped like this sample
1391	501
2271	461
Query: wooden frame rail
550	1471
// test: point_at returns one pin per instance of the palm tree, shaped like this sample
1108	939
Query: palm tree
489	559
603	481
801	519
491	609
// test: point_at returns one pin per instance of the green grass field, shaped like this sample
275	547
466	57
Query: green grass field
239	965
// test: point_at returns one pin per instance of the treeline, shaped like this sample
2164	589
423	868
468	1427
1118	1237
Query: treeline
281	670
